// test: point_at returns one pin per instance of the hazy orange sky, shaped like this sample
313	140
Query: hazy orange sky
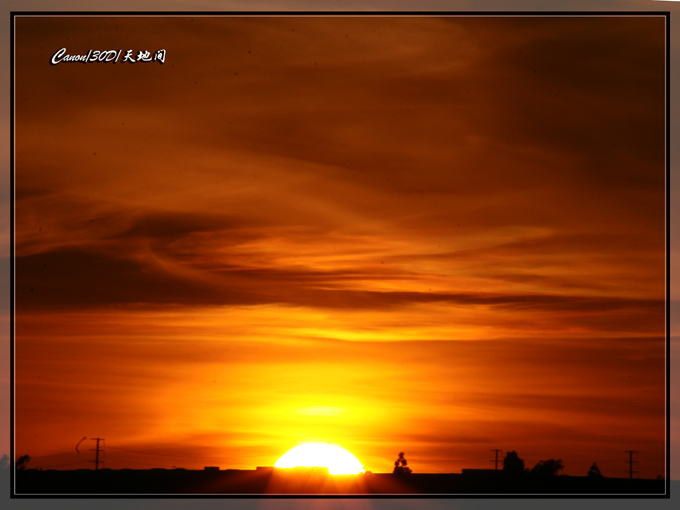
431	235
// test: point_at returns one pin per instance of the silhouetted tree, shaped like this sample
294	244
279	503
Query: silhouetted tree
512	464
594	471
400	466
22	461
547	468
4	462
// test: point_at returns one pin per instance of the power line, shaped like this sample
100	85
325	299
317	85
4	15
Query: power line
601	461
69	464
133	462
53	455
459	460
590	461
170	455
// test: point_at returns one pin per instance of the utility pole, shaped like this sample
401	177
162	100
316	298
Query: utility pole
496	457
96	461
630	461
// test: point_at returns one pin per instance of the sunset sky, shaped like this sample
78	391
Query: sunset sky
433	235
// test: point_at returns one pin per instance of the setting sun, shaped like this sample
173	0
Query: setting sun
338	460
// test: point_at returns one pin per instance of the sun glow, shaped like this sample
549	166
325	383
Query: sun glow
338	460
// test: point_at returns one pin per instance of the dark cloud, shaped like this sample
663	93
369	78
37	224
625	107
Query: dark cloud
77	278
605	406
556	303
174	225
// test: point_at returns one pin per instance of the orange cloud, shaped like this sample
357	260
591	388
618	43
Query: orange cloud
448	231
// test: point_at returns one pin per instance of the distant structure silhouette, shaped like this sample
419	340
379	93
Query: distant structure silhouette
400	466
22	461
594	471
513	465
547	468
